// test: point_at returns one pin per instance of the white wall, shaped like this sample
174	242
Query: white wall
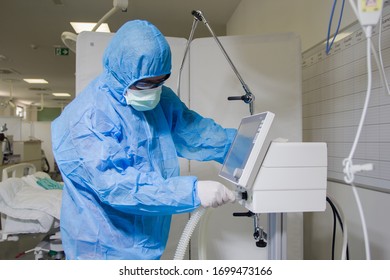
309	19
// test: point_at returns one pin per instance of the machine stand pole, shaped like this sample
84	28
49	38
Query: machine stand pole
277	237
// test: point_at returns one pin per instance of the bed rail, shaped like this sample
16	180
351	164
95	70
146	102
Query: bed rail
18	170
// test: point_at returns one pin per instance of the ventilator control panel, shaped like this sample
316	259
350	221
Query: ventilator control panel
248	149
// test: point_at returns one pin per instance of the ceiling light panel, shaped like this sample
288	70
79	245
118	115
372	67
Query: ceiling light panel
62	94
36	81
88	26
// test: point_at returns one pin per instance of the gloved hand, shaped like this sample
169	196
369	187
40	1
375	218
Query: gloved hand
214	194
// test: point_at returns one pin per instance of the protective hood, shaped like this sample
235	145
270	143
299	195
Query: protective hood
137	51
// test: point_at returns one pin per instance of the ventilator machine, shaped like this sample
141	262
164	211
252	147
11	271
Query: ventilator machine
274	175
271	175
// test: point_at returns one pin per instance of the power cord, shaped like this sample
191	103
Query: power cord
336	214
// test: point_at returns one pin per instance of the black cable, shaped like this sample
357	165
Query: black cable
45	164
342	229
340	221
335	212
334	226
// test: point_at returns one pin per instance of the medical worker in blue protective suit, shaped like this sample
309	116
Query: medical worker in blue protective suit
117	146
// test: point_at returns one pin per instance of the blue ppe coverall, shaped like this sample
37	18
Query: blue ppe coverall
120	166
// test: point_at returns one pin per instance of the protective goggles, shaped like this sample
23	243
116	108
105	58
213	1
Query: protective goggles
144	84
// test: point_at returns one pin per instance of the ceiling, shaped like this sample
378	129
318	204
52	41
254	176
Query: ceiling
31	30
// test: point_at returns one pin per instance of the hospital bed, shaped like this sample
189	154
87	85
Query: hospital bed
30	203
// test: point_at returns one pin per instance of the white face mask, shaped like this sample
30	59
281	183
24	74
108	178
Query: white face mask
143	100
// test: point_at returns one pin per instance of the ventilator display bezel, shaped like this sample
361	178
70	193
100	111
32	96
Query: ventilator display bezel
248	149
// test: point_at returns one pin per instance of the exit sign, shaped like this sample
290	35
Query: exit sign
61	51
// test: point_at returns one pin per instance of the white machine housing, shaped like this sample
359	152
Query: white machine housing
292	178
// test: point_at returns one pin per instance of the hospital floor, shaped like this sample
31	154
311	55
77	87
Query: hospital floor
13	250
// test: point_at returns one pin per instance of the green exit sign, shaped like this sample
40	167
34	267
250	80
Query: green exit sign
61	51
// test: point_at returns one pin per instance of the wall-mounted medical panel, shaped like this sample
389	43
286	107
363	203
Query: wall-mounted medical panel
334	91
